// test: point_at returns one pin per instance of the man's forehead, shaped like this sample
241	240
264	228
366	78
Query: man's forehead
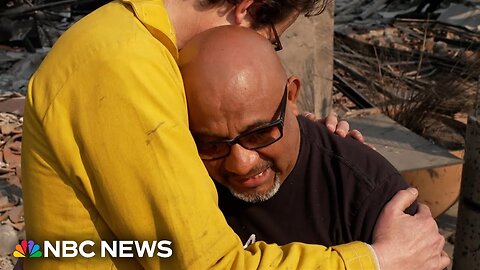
229	122
213	133
231	108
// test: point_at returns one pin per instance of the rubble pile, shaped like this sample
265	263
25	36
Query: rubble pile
28	30
421	71
417	61
11	208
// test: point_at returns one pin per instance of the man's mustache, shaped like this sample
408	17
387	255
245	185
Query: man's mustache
254	171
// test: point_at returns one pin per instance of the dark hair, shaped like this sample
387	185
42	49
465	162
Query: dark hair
266	12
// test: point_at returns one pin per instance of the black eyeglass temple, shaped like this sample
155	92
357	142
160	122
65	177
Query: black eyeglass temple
278	44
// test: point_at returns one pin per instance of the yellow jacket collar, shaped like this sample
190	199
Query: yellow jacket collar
153	15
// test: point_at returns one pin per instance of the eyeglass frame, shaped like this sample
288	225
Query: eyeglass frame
280	121
277	45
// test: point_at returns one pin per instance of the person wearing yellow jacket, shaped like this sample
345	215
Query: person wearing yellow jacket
107	154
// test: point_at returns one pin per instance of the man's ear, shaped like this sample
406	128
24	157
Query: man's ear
293	85
241	13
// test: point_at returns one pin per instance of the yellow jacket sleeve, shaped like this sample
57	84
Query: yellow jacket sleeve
107	155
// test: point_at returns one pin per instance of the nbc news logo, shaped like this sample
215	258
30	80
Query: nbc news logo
27	250
114	249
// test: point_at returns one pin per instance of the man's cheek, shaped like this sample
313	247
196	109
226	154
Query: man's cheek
213	170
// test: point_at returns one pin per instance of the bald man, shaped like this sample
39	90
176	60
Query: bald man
282	178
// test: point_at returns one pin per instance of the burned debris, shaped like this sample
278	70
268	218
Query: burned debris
28	29
420	71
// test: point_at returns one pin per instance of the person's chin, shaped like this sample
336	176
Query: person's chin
261	182
257	193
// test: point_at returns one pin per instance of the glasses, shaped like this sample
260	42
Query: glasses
276	44
252	139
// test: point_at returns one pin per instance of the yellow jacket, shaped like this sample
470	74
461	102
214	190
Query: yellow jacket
107	155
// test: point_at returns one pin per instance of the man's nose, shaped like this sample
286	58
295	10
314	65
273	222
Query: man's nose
241	161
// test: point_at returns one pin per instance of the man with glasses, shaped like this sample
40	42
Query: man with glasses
106	141
291	180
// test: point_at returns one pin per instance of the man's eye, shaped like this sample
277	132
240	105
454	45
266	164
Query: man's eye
209	147
258	138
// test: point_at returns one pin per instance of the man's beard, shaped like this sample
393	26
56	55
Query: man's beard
255	197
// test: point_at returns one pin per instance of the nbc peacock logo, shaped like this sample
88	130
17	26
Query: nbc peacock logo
27	250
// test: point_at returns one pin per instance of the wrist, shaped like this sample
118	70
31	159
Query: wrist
376	256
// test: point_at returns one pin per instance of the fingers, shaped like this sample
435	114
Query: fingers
342	128
331	122
310	116
402	200
444	260
423	210
357	135
442	243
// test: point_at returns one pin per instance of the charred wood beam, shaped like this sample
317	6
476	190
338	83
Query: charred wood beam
471	45
23	10
438	30
371	66
447	64
350	92
368	79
